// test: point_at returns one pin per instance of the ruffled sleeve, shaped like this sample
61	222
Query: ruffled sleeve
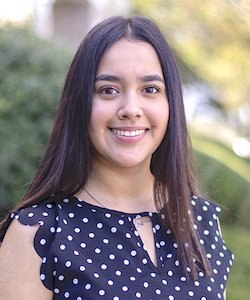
205	207
206	213
206	216
46	217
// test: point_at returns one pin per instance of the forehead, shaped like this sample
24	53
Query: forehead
130	55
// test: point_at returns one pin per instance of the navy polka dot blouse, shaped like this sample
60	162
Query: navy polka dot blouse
89	253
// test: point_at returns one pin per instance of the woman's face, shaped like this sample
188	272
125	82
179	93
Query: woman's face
130	107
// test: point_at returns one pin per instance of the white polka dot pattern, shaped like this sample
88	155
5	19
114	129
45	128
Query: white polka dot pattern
89	252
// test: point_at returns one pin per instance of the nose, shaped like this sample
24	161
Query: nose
130	107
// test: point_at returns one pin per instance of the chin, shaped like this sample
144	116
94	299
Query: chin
125	162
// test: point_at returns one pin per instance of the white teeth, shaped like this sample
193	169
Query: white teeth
128	133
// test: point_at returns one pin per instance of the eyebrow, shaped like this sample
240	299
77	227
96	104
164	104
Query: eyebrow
152	77
107	77
113	78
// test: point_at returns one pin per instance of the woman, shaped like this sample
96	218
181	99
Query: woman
112	211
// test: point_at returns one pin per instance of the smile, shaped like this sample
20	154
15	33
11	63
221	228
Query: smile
128	133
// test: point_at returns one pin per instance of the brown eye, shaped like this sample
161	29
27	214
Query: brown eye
151	90
108	91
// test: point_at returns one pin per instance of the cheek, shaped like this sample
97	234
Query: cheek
100	119
102	110
166	118
98	115
161	116
95	124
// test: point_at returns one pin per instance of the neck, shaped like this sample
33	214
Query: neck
127	189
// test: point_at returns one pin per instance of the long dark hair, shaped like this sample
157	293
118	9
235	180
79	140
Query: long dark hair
66	164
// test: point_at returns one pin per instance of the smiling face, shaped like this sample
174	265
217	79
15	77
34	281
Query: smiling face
130	108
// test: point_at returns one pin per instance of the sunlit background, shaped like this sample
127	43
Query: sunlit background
211	43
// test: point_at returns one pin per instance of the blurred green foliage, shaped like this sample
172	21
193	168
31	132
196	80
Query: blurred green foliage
31	75
238	241
225	177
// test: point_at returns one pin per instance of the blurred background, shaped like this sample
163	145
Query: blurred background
211	42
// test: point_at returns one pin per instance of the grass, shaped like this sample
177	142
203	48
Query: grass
238	240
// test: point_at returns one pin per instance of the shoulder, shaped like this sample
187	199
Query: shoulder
18	234
36	214
17	245
36	222
19	264
205	207
27	238
206	216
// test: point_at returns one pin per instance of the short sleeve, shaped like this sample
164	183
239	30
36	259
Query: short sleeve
206	215
205	206
45	216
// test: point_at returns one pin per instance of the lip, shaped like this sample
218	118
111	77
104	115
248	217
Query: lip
129	128
129	133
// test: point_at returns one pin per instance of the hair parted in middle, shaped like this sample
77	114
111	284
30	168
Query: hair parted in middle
66	164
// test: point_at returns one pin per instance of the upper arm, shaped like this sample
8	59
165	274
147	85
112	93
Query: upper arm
20	265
